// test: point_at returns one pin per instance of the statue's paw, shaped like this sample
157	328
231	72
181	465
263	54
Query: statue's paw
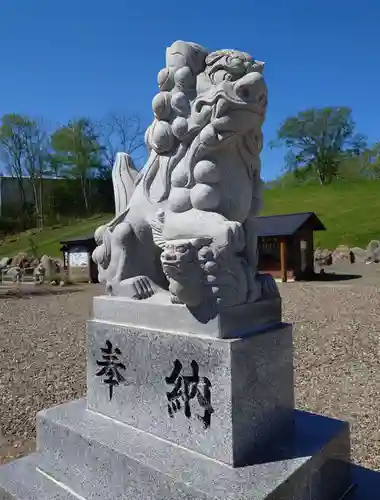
234	236
174	299
138	288
143	288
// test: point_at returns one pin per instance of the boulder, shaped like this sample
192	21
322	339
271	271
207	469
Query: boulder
39	274
373	251
322	257
5	262
359	255
34	263
15	273
60	264
342	254
50	266
21	260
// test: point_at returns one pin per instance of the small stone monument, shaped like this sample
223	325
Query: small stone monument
189	366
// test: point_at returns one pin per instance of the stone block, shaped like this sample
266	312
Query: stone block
158	313
213	396
21	480
100	458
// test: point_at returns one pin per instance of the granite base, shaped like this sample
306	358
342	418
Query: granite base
207	394
158	313
90	456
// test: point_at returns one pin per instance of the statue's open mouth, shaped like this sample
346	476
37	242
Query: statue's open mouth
226	100
227	104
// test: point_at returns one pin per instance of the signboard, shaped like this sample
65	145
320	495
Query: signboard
78	259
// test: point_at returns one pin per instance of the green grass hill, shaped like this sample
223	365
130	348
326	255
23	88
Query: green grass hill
349	210
47	240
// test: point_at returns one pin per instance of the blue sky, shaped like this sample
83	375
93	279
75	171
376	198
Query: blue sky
73	58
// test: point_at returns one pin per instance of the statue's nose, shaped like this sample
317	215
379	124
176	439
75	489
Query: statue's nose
252	88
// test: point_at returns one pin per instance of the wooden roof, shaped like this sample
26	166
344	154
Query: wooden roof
288	224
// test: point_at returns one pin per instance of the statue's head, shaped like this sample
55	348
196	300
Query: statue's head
232	83
204	98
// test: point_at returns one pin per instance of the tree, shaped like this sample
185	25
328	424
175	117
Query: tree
365	166
120	132
24	146
12	149
371	159
37	162
319	140
77	150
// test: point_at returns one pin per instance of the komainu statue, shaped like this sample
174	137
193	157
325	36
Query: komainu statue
185	225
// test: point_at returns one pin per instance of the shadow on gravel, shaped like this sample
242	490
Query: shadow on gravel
335	277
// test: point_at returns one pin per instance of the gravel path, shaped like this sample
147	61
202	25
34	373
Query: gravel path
42	355
337	347
336	338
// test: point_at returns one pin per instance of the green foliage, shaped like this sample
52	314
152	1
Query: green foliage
318	140
349	210
76	148
66	173
77	152
363	166
24	146
33	247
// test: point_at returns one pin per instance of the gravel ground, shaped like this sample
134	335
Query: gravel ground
337	347
336	338
42	356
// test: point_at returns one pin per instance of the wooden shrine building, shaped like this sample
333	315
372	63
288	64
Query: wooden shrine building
286	245
77	259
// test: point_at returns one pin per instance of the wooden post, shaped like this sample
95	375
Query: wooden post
284	274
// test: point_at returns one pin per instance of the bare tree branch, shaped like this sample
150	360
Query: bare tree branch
120	132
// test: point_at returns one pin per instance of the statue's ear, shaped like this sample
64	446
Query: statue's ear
181	54
258	66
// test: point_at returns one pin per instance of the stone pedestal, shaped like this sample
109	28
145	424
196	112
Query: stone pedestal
174	414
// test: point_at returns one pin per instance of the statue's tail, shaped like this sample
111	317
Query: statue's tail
124	180
124	176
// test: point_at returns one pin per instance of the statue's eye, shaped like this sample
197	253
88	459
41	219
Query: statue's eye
244	92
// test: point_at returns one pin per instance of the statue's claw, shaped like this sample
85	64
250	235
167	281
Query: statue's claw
174	299
138	288
143	288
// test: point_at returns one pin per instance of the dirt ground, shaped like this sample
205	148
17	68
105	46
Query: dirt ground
336	354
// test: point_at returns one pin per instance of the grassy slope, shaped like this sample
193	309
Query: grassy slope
48	239
350	212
